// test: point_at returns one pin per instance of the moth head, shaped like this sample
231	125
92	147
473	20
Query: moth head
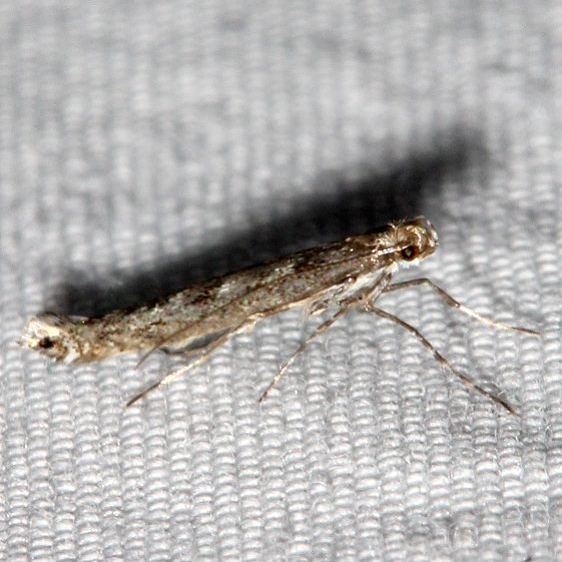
53	335
414	239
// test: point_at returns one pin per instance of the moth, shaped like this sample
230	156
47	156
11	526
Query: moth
335	277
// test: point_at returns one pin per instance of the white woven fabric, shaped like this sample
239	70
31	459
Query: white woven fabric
146	145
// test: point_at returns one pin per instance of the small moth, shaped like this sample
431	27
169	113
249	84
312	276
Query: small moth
334	277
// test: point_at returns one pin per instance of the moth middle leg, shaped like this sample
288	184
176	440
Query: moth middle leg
469	382
319	330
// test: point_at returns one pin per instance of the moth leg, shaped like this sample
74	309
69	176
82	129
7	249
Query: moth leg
360	298
191	348
206	352
319	330
172	352
450	301
187	350
428	345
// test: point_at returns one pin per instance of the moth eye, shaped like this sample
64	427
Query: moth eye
409	253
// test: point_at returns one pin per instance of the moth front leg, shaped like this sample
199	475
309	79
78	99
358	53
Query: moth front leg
453	303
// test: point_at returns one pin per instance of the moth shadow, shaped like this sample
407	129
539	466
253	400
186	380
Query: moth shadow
343	202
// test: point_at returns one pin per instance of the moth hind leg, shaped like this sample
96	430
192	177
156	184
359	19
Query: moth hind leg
191	348
206	351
